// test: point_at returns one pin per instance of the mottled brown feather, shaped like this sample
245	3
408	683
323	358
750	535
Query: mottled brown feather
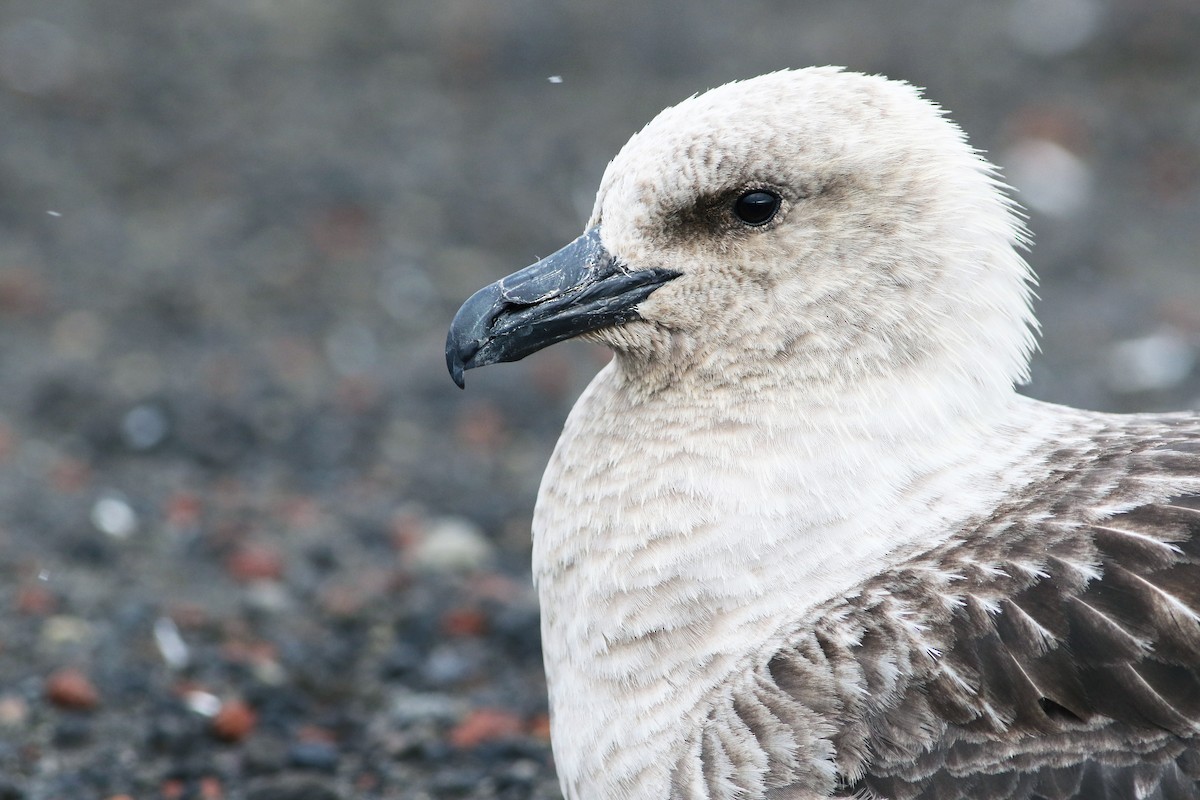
1050	652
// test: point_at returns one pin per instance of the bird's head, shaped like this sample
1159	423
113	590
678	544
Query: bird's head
832	222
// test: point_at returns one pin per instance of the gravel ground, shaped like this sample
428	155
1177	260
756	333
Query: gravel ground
253	542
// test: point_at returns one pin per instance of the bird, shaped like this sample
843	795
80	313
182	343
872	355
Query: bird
802	537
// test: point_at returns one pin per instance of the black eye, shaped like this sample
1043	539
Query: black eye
756	207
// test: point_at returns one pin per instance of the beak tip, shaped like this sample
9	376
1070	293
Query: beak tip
455	365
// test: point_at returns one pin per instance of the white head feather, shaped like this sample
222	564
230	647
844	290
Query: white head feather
893	250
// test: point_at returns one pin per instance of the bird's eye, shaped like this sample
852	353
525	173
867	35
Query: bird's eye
756	207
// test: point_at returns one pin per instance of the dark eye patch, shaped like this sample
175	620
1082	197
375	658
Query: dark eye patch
726	213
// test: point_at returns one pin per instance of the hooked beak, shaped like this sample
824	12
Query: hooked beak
578	289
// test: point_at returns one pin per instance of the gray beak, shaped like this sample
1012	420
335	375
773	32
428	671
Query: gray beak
580	288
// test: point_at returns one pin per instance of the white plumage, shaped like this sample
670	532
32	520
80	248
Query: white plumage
801	538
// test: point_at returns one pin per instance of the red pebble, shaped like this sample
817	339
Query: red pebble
463	622
234	721
341	601
256	562
70	688
539	727
70	475
37	601
210	788
183	510
482	428
485	725
315	733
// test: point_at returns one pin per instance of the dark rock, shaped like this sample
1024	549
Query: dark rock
145	426
72	730
320	756
264	755
323	557
401	661
456	781
292	789
175	731
214	435
449	666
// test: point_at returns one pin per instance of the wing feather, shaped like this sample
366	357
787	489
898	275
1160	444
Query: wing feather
1052	652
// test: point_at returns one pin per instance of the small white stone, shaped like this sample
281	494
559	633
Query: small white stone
1048	177
65	629
270	672
1153	363
452	544
203	703
170	644
555	79
269	596
409	707
113	515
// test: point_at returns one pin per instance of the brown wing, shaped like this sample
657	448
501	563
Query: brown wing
1053	652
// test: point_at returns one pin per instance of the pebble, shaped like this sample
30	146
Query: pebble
1158	362
234	721
72	731
253	562
206	704
70	474
270	597
314	755
1049	177
112	514
171	647
342	602
14	711
408	708
464	622
539	727
263	755
448	666
37	601
65	629
291	789
72	689
452	544
457	781
485	725
144	427
182	512
400	661
174	731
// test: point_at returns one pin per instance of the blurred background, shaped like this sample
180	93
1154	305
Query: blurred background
253	541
